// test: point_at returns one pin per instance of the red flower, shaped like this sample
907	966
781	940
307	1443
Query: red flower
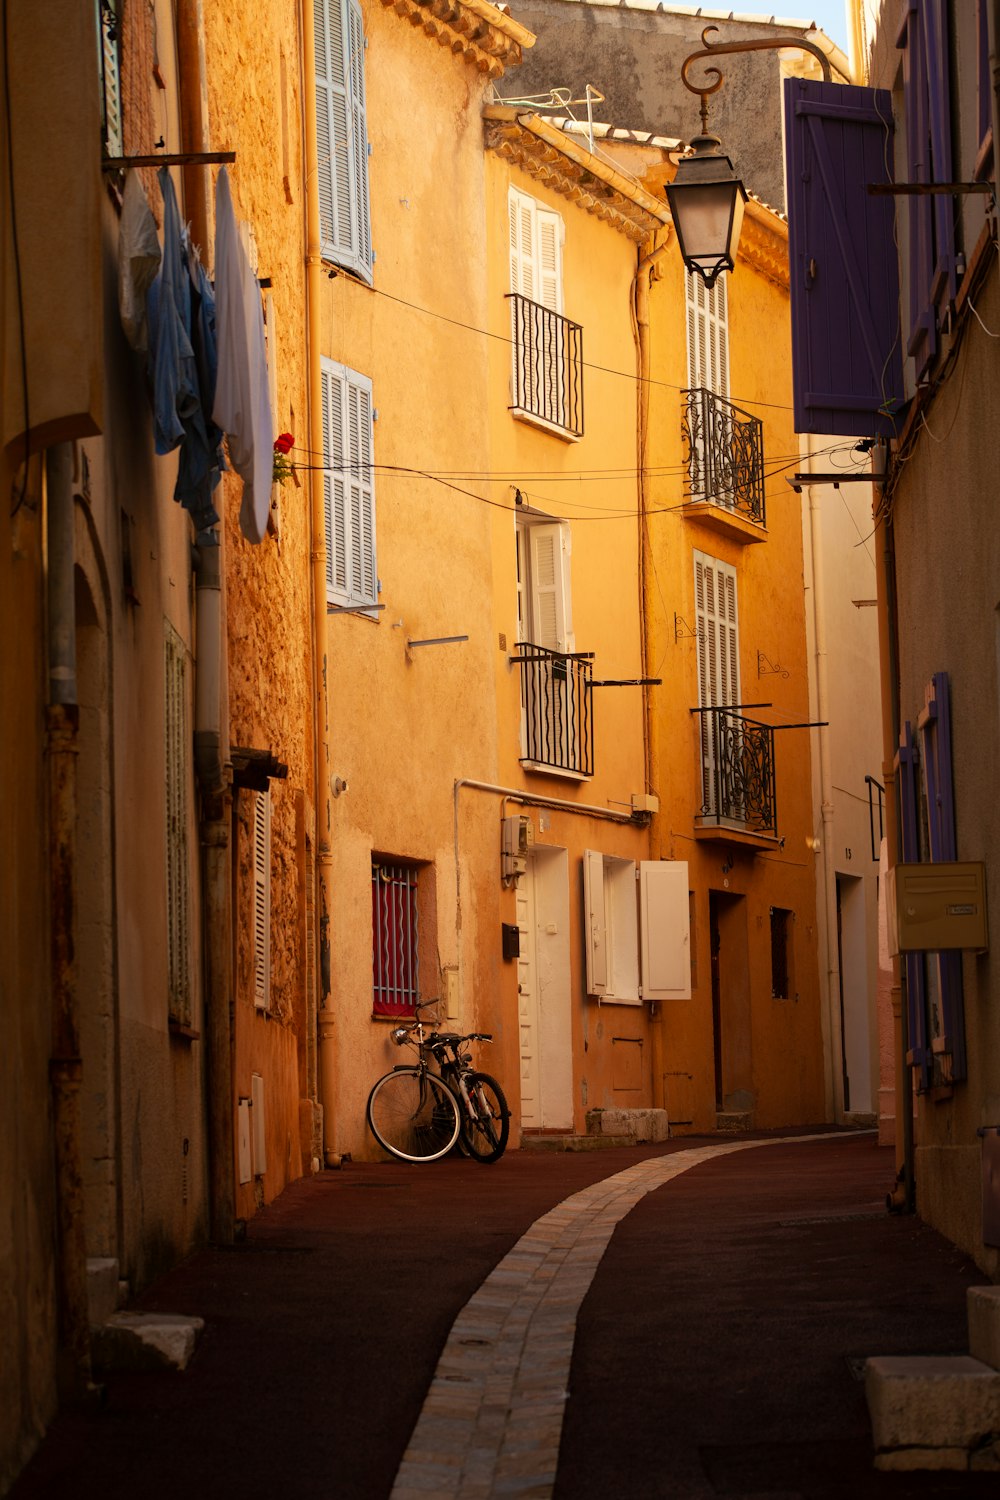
284	442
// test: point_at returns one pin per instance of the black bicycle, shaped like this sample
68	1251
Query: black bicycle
420	1112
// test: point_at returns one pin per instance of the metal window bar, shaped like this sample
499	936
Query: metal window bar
737	759
395	934
876	797
548	365
557	707
725	454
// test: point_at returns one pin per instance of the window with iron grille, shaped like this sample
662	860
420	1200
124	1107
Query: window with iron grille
177	874
395	938
781	927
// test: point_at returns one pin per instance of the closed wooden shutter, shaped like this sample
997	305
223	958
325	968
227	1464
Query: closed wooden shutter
717	625
109	31
341	135
664	927
595	922
262	899
177	872
549	591
348	486
708	335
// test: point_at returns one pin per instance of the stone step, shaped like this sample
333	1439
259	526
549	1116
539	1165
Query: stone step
554	1141
102	1289
983	1305
634	1124
934	1412
729	1121
144	1341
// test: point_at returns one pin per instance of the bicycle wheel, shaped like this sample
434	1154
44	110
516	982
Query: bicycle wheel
413	1115
485	1137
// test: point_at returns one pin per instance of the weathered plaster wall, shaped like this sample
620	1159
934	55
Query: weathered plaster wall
406	724
948	566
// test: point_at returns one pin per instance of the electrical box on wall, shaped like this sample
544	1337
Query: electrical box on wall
937	906
518	835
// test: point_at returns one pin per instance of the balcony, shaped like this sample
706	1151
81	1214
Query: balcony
737	776
557	729
548	367
724	448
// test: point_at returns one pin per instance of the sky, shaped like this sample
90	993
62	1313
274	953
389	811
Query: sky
829	15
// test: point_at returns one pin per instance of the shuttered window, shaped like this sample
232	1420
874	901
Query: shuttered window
543	576
717	626
847	362
536	272
177	802
342	136
636	929
262	899
348	486
708	335
109	67
925	40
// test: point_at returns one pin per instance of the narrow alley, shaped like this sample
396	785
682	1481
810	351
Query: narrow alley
717	1349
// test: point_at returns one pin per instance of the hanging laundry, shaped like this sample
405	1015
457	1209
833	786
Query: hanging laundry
242	400
139	257
181	411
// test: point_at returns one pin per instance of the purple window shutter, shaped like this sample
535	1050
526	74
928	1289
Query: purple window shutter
935	737
916	979
984	97
846	357
925	40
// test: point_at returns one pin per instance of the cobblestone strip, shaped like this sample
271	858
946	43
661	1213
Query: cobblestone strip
492	1420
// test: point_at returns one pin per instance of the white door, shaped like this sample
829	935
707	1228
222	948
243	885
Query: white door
544	992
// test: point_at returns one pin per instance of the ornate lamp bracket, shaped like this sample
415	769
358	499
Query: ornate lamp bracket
718	49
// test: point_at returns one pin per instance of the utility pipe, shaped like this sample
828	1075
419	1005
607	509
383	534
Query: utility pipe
831	1014
62	721
327	1066
902	1197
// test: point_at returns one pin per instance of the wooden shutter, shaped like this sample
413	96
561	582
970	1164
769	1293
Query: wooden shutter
717	626
177	881
359	137
522	243
846	354
341	135
548	259
708	335
918	1054
550	595
348	486
262	899
664	927
595	922
109	29
925	39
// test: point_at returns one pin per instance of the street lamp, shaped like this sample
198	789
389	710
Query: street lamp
706	197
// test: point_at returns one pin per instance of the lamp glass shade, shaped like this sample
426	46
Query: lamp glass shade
706	202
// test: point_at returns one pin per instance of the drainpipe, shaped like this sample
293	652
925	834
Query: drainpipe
833	1044
651	733
62	721
902	1198
327	1081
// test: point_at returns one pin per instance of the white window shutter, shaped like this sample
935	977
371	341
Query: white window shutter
262	899
359	135
664	925
549	587
348	486
521	210
595	922
549	259
717	625
708	335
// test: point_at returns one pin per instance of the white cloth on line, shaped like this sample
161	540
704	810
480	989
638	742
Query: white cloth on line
139	258
242	398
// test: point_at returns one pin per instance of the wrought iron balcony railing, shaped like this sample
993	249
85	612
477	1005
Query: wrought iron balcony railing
548	365
737	772
725	454
556	709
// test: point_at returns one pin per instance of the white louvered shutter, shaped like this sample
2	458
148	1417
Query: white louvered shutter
109	30
262	900
359	133
549	235
348	486
717	625
550	623
522	243
708	335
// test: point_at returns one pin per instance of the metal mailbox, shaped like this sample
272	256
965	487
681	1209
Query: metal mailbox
936	906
